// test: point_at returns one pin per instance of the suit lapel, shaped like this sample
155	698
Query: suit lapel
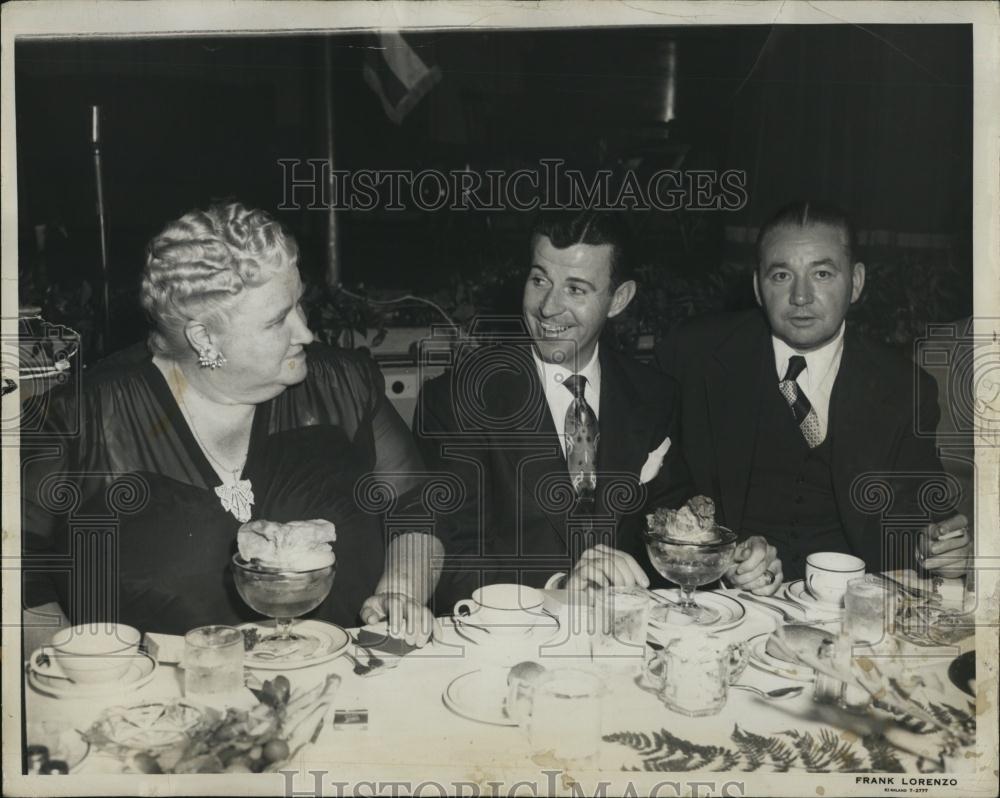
856	420
622	448
734	386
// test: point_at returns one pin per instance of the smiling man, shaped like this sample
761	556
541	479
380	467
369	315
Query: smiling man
561	443
787	414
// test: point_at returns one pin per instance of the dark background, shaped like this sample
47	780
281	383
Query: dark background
877	119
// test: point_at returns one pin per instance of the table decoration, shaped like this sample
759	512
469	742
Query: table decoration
177	736
823	751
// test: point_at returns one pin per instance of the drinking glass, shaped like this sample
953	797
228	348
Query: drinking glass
866	608
213	661
618	635
561	713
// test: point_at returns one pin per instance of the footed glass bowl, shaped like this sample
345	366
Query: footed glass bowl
691	565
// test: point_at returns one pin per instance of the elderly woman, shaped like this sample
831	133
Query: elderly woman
232	414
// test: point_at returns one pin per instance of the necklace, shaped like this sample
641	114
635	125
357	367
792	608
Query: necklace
236	497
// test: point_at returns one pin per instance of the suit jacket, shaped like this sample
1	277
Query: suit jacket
880	402
487	422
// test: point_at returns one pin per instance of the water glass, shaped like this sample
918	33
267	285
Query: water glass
213	661
866	606
618	636
562	716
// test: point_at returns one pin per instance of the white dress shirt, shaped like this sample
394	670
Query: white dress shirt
559	397
817	379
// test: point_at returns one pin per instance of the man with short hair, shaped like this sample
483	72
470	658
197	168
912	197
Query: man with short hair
562	445
787	415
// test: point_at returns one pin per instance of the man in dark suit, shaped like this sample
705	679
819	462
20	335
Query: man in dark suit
803	432
561	444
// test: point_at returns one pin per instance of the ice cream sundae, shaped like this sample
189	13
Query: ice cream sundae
693	523
295	546
689	548
284	571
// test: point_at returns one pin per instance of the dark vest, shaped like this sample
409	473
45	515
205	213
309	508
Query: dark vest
790	499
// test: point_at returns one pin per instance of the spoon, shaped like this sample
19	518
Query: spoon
373	660
780	694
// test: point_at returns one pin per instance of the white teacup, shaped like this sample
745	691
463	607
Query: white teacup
91	653
502	608
828	572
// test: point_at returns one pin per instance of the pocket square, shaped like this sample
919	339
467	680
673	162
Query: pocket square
654	461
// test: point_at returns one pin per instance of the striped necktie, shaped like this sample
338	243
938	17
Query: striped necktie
802	410
582	434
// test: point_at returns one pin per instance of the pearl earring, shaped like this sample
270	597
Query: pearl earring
208	359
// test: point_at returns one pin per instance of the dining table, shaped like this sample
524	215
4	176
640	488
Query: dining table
440	708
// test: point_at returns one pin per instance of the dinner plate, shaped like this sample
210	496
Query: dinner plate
762	660
332	642
962	672
140	673
731	611
797	591
479	696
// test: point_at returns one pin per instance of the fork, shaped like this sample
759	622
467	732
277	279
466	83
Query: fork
787	618
915	592
360	669
790	601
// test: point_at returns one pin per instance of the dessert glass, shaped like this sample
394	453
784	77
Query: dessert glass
283	594
690	565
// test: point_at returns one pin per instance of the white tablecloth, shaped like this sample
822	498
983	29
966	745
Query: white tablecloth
410	725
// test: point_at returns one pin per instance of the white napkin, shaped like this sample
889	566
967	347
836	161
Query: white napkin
654	462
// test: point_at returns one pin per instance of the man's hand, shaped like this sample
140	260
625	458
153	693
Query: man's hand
946	548
409	620
602	566
756	567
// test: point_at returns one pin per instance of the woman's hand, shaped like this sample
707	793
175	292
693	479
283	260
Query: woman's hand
409	620
756	567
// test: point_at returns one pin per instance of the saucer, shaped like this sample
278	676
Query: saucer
332	640
479	696
731	611
140	673
797	591
480	644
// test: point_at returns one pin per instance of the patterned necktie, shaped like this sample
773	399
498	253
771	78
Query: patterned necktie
582	435
802	410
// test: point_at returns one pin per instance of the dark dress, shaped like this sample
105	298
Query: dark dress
121	520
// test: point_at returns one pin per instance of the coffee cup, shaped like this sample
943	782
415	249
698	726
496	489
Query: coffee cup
90	653
502	608
827	575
